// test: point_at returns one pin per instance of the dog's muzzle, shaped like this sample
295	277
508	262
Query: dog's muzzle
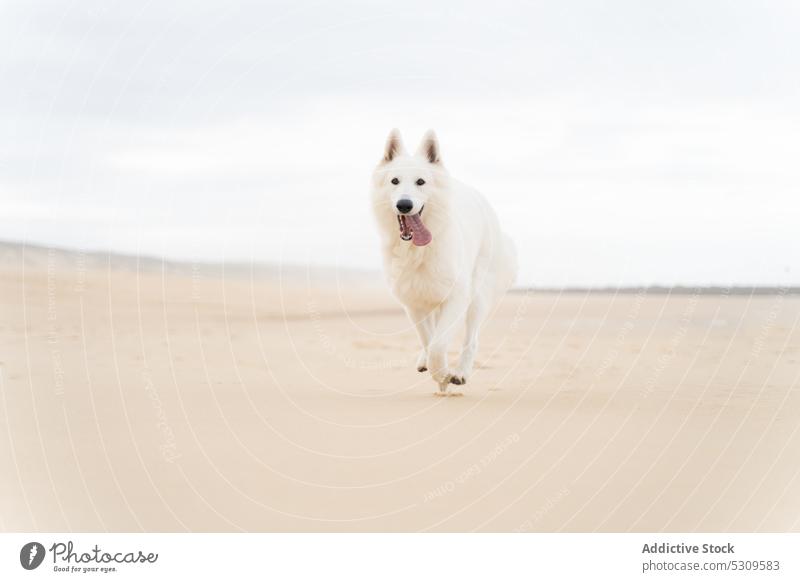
413	229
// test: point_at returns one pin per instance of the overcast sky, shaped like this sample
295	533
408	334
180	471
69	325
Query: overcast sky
621	142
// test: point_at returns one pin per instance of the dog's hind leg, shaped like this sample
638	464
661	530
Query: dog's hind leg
475	316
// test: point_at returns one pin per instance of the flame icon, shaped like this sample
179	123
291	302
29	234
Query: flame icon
31	555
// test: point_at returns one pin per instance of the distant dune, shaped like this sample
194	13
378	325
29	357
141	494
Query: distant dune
13	252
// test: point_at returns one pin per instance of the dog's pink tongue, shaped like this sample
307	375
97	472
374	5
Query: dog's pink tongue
420	235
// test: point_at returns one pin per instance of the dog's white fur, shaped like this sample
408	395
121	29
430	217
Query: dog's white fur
459	276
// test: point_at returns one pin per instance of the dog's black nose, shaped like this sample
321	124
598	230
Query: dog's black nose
404	206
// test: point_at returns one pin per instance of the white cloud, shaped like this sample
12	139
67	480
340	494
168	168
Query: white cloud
620	142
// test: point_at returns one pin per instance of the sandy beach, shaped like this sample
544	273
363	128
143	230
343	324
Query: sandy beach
146	396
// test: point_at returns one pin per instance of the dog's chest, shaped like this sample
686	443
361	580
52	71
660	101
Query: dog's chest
417	276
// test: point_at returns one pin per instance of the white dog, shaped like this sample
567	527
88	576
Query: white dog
445	256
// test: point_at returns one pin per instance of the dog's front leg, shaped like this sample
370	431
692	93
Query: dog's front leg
423	322
451	313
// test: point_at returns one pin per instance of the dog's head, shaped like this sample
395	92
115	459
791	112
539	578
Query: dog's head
407	188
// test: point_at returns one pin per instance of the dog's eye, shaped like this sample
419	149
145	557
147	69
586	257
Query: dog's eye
395	181
420	182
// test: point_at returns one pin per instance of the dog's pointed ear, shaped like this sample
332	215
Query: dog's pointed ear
394	146
429	148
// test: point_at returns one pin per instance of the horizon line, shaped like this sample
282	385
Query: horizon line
657	288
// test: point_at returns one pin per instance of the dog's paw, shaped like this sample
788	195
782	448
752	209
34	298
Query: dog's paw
422	362
441	378
458	380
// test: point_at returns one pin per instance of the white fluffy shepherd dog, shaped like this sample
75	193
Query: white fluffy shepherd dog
445	256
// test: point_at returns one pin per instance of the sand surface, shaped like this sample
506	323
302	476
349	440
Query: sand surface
197	398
